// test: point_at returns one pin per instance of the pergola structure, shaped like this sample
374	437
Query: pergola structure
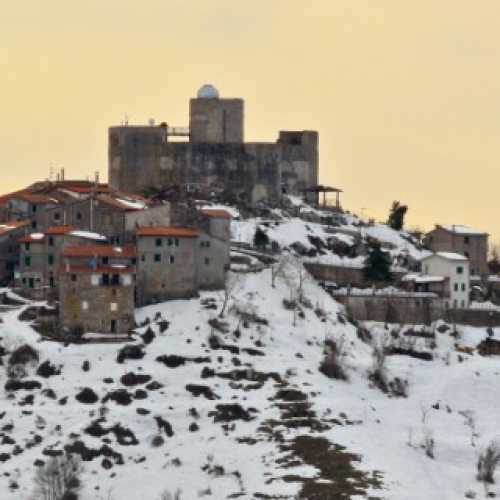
324	189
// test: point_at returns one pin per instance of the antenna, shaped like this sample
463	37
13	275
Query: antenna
51	171
126	118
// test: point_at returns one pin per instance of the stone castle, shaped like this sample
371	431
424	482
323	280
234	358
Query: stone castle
211	155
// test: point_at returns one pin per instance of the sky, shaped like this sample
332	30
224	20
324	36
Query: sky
405	94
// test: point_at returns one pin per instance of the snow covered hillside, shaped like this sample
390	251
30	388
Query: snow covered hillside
237	407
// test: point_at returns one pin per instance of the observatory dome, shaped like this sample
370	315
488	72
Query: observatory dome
208	92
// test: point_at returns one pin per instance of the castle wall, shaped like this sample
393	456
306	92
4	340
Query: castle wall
216	120
139	158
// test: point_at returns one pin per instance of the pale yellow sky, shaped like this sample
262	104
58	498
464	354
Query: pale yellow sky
405	93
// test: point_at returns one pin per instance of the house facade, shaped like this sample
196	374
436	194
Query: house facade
96	289
166	264
454	269
10	233
462	240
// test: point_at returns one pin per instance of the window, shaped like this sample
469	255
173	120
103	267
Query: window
157	257
463	287
113	306
207	261
57	216
143	258
106	220
78	216
455	287
158	242
33	208
27	246
460	270
176	241
50	260
133	261
85	305
51	241
73	277
27	261
172	259
466	240
105	261
33	224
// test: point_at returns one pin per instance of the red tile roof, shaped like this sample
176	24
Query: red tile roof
79	269
127	251
7	227
36	198
216	213
59	230
116	203
180	232
32	238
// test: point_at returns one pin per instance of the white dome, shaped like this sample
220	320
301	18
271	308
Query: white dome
208	92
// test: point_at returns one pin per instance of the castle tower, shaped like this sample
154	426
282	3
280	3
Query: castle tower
215	120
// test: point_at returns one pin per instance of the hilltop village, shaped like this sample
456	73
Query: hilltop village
215	296
161	229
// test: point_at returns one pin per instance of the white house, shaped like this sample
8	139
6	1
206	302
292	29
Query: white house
454	268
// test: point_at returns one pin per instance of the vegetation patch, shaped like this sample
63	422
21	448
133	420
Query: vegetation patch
338	477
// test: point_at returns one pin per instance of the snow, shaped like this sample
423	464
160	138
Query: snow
386	432
138	205
36	236
458	229
89	235
451	256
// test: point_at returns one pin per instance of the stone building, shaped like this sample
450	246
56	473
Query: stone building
37	273
167	264
213	255
463	240
96	289
10	233
214	158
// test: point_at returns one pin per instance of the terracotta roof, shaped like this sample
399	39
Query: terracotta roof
100	251
59	230
116	203
32	238
180	232
8	196
94	270
35	198
221	214
7	227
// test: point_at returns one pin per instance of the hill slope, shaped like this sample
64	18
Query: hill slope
248	408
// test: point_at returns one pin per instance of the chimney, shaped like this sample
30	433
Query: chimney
62	174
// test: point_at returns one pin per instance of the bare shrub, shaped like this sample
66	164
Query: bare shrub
428	442
21	357
333	364
59	478
168	495
487	462
378	373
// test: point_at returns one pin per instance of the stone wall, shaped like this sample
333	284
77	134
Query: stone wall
96	308
139	157
393	309
173	276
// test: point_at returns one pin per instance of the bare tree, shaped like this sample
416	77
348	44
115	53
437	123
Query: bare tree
232	283
296	276
487	462
59	478
278	268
